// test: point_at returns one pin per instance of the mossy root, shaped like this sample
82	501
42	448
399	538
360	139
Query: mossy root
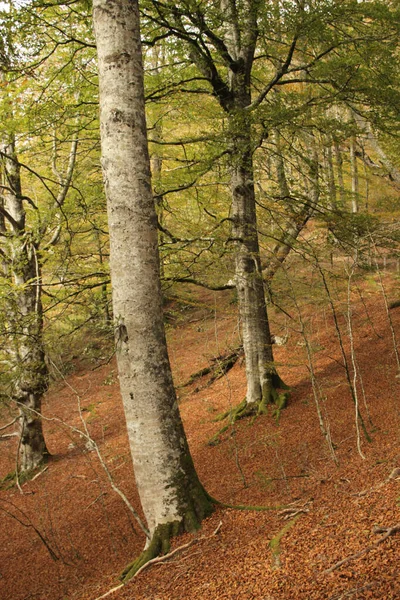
275	542
159	545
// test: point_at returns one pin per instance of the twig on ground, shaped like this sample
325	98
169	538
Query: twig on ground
356	590
115	589
9	424
388	531
159	559
165	557
38	474
292	511
7	436
395	474
94	501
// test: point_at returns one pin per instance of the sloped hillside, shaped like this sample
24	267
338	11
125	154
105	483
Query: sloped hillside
68	534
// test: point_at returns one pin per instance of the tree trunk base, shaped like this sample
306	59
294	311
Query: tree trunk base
32	457
272	399
202	506
159	544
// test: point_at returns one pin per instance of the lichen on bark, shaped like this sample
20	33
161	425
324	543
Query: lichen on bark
170	492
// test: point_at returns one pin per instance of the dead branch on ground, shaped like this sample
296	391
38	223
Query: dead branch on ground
395	474
294	510
219	366
160	559
387	532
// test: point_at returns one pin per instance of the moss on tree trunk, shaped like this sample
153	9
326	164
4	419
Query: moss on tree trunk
200	507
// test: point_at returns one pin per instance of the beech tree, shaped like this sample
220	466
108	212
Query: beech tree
22	260
240	53
24	316
171	494
23	229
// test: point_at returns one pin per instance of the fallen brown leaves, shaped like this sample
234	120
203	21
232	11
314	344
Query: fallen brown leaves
342	508
388	531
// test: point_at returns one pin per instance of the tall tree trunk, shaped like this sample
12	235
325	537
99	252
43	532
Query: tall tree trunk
256	335
262	380
339	168
171	494
330	175
232	88
354	176
25	318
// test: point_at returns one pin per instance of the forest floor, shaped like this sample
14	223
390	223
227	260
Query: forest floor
66	535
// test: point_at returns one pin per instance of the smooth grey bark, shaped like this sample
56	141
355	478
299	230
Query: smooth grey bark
256	334
24	324
234	96
339	168
22	251
171	494
354	176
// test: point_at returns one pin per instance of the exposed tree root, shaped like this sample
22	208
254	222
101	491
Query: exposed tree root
238	412
159	559
272	397
254	409
161	536
275	542
201	506
15	478
114	589
159	544
158	549
387	531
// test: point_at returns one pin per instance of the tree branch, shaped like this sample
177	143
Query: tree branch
214	288
388	531
283	69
